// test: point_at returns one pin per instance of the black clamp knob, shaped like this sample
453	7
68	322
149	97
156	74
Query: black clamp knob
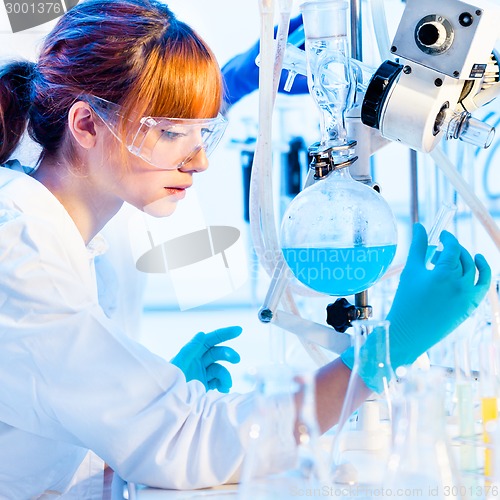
340	314
377	91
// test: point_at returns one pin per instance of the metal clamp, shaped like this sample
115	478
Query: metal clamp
326	160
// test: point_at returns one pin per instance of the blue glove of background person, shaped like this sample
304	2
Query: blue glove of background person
430	304
198	358
241	74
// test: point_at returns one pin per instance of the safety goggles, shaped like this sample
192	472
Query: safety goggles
166	143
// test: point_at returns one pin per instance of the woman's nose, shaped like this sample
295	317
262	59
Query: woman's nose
197	163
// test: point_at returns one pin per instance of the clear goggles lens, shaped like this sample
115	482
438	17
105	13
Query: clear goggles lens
166	143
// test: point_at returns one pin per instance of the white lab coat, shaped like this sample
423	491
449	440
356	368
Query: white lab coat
120	285
71	381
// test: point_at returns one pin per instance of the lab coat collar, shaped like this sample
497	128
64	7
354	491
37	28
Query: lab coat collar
97	246
35	199
21	192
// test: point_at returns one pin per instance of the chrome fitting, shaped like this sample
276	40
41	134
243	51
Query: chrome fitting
327	159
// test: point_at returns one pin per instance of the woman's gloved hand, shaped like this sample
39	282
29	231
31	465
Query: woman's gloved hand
198	358
241	74
429	304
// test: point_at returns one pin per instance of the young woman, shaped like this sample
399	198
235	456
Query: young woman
124	102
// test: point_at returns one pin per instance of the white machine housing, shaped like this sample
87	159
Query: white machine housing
415	107
444	47
465	35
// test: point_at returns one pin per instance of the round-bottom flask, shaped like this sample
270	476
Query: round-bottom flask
338	236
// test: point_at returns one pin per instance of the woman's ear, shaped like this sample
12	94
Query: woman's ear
82	124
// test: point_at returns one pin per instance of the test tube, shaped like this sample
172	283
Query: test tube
442	219
131	491
465	405
493	296
488	388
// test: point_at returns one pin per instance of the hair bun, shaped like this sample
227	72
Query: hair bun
18	75
16	80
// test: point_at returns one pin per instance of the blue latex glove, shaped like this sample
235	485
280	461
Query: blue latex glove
198	358
241	74
429	304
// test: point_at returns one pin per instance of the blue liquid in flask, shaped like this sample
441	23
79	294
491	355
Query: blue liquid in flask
339	271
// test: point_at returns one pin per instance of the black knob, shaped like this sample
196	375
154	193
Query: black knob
377	91
340	314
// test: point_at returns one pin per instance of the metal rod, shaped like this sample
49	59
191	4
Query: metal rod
360	299
414	213
356	30
364	311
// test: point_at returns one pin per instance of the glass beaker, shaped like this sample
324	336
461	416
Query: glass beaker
489	379
274	389
312	464
267	472
362	441
339	235
464	397
489	389
422	461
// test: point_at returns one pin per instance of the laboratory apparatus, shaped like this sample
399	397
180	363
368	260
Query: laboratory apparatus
440	68
438	83
443	62
443	68
312	464
489	385
307	463
362	438
422	461
476	389
338	236
444	216
465	389
269	382
328	71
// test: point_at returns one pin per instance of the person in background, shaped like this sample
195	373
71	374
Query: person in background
124	101
241	73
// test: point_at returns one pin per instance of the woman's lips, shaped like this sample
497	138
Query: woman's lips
178	193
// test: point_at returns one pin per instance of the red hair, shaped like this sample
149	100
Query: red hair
135	53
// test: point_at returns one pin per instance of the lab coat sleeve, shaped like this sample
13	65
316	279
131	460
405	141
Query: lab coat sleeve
69	375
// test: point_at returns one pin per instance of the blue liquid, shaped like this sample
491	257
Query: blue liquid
431	251
339	271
